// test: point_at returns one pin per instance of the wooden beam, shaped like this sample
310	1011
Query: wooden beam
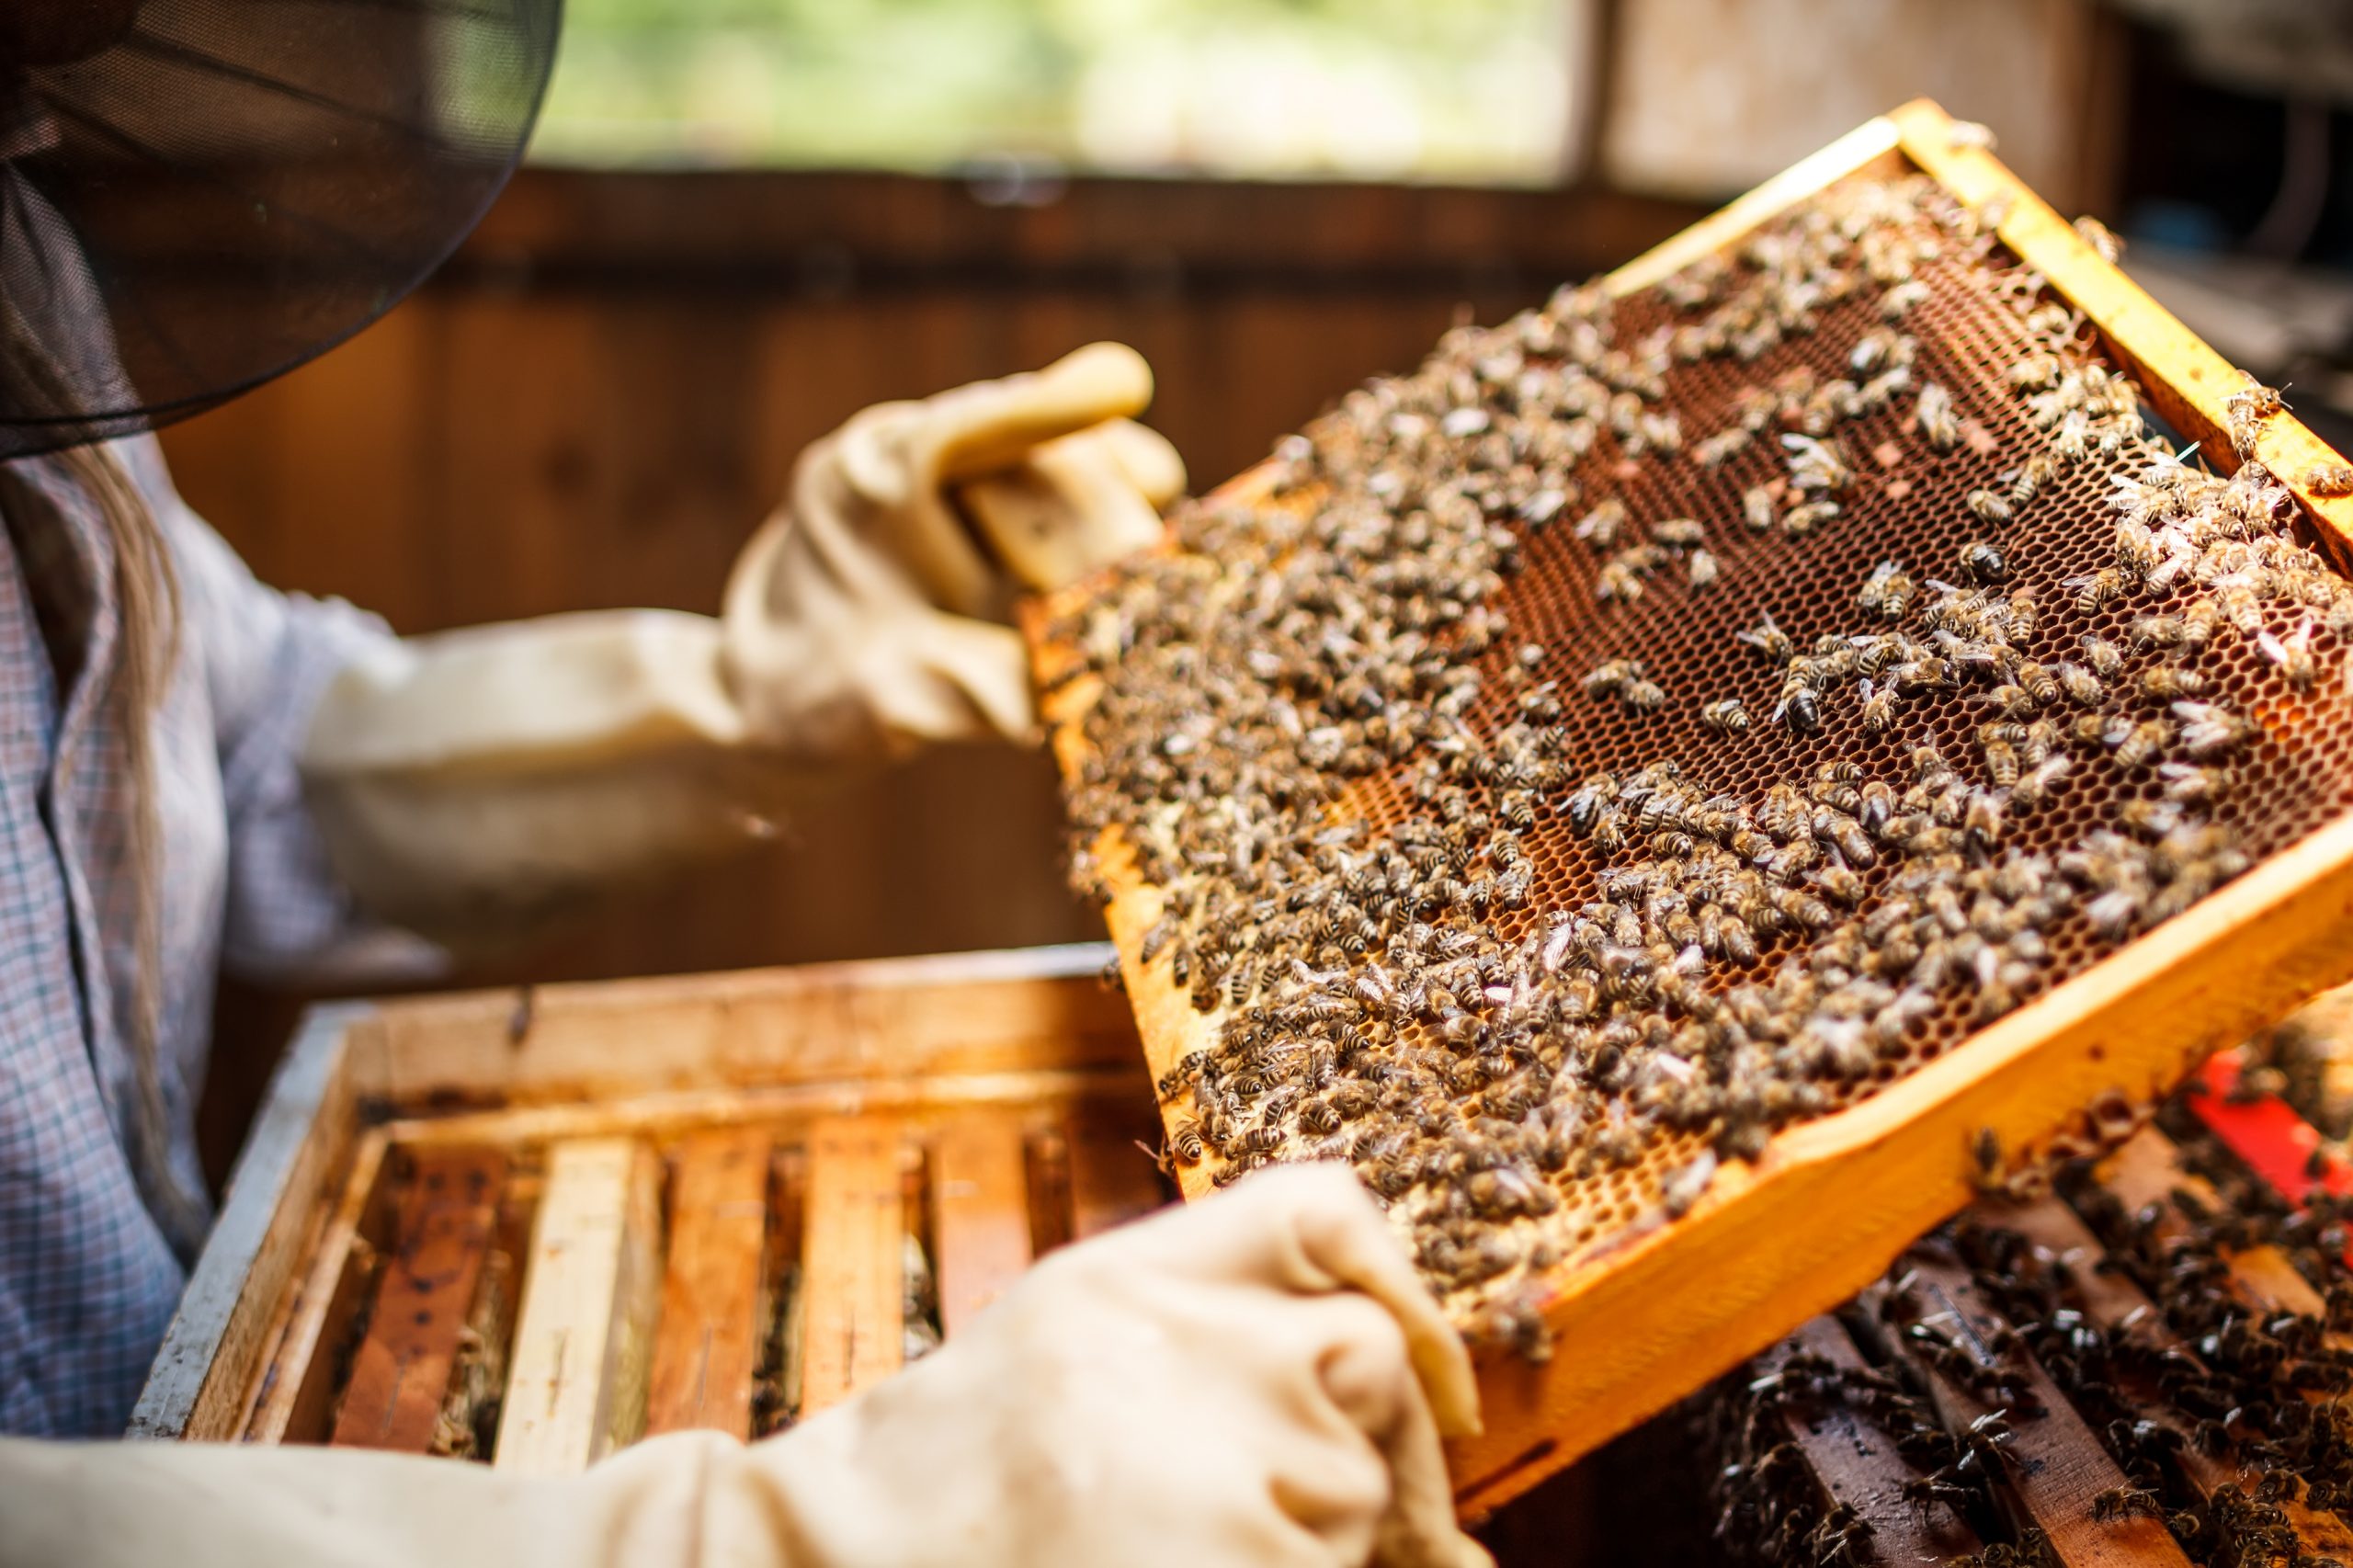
1857	1463
980	1214
575	1386
2053	1465
447	1214
298	1153
853	1261
296	1383
707	1345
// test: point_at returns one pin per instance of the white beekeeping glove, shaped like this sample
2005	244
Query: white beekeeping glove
470	782
865	617
1259	1379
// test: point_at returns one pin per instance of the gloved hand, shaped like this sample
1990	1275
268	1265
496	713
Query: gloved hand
469	783
855	620
1259	1379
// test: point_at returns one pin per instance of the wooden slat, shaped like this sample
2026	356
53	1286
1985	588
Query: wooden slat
980	1214
296	1382
2055	1466
853	1261
706	1344
576	1386
1111	1181
2146	1172
878	1020
1857	1463
298	1153
2111	1301
447	1213
664	1115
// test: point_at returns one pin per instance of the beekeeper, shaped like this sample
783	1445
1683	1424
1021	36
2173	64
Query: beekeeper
197	772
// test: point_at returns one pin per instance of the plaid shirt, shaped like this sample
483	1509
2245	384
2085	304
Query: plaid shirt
89	1278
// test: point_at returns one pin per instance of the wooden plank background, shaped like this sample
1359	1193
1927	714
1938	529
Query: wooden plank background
600	397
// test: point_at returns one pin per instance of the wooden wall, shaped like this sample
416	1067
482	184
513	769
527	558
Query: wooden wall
599	398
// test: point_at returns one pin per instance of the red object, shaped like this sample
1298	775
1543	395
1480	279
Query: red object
2266	1133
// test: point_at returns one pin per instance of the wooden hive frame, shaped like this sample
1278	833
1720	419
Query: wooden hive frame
1650	1317
592	1202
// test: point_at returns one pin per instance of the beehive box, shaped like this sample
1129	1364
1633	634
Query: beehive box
1295	740
532	1226
2142	1370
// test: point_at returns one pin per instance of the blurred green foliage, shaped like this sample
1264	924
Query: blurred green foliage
1470	89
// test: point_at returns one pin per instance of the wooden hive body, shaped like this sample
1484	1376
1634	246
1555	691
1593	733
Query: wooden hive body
1644	1308
532	1226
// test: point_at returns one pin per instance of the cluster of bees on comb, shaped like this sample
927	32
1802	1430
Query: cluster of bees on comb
2197	1401
1660	719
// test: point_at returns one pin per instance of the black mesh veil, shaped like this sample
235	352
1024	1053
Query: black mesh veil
199	195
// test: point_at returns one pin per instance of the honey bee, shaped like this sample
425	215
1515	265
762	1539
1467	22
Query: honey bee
2209	731
1884	389
1756	508
1610	676
1887	593
1185	1142
1617	584
1643	696
2329	479
2136	550
1800	708
1600	527
1989	505
1716	451
1703	568
1726	716
2036	373
2102	655
2001	759
1983	562
2029	478
2038	683
2035	785
1769	640
1932	410
2095	591
1898	302
2189	784
1806	517
1878	708
2078	684
2167	682
2142	744
2293	654
1679	533
1817	466
2246	409
1879	348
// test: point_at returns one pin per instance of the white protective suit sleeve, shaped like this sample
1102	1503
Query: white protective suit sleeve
1258	1380
468	783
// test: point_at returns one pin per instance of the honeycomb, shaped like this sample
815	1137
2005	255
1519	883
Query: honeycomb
1385	663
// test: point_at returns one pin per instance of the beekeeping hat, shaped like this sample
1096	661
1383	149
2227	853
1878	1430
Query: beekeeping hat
199	195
